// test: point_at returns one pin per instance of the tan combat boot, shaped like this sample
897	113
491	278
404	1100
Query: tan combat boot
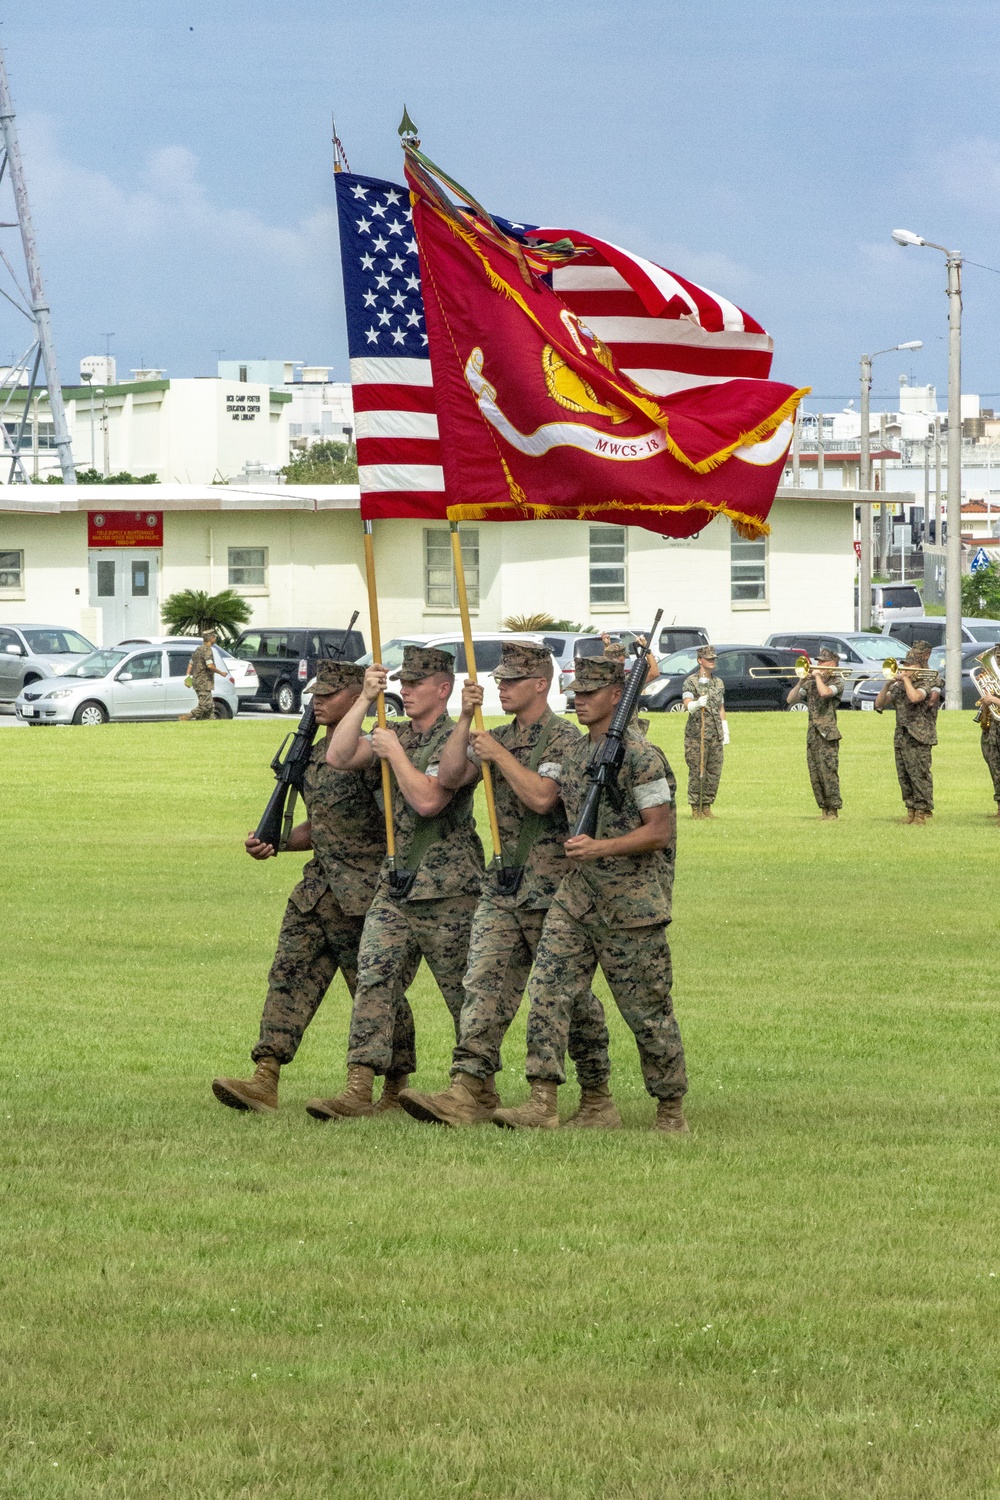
355	1101
259	1093
670	1117
466	1101
695	810
596	1111
391	1089
707	812
540	1112
919	817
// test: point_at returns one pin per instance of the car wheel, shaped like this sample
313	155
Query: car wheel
32	677
797	708
285	700
677	707
222	709
91	713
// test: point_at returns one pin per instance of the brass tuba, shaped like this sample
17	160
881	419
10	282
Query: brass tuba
987	680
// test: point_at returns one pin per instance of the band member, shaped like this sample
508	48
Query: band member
989	741
821	689
915	694
705	733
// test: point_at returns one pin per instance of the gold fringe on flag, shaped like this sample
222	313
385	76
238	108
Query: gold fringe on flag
749	527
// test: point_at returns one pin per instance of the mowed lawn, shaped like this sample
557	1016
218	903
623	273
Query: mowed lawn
800	1299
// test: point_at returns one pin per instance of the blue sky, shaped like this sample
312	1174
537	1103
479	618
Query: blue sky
178	160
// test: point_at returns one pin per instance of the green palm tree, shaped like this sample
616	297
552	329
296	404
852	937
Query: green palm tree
192	612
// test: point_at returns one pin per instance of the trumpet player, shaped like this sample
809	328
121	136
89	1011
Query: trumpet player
821	688
914	691
705	733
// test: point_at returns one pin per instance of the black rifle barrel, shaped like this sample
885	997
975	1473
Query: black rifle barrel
604	767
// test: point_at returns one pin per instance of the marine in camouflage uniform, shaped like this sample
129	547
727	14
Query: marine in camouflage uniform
612	911
916	731
989	741
201	670
433	918
703	788
508	924
822	735
323	920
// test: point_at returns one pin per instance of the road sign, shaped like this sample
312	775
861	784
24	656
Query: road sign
857	550
980	561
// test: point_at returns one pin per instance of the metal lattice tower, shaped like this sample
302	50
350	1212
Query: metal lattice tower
34	306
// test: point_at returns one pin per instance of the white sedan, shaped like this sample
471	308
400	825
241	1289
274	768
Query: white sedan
145	682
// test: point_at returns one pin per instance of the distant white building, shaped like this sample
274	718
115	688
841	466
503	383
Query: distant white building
322	410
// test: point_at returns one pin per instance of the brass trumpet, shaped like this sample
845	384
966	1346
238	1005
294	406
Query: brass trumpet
801	670
891	668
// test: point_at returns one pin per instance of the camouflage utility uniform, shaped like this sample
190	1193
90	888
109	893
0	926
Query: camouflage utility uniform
201	674
325	915
612	912
702	792
823	743
434	919
506	929
990	743
916	733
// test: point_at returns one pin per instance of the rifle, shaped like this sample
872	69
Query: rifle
605	765
276	824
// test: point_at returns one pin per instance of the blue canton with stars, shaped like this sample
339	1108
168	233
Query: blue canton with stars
382	292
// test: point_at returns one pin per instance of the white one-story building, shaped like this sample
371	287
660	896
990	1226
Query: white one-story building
102	558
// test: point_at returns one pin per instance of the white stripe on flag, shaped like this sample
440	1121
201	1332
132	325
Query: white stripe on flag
391	372
673	331
378	478
588	279
668	382
395	424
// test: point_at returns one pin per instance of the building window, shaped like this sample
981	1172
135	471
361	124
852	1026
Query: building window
106	580
440	590
747	570
248	567
607	565
11	572
243	374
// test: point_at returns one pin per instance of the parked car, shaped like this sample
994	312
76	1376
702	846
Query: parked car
30	652
861	653
734	665
121	682
242	674
866	692
895	601
487	649
285	660
932	630
671	638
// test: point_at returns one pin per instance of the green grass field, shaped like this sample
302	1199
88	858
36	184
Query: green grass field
800	1299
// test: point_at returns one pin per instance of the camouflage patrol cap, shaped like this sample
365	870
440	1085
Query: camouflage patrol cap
591	673
919	651
827	653
423	661
706	653
615	651
209	635
334	676
521	659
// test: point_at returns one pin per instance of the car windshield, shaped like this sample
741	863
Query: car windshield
679	661
936	658
98	664
57	643
871	647
981	631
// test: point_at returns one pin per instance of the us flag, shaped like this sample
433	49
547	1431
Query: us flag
666	332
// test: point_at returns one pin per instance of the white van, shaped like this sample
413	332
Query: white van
486	645
895	601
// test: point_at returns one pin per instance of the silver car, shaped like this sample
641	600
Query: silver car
243	673
120	682
31	652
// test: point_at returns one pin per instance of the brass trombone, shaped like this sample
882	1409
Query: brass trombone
891	668
801	670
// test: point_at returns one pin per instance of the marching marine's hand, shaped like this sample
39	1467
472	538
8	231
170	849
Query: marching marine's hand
258	850
484	744
384	742
703	701
582	847
472	698
376	678
725	731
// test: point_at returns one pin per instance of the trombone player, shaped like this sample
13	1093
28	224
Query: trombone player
821	687
914	691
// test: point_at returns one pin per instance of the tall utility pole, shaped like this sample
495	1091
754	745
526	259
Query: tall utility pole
39	308
865	482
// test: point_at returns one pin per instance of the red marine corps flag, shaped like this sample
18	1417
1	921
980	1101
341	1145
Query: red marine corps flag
538	417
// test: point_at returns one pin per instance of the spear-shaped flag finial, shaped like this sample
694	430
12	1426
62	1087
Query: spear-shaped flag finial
407	129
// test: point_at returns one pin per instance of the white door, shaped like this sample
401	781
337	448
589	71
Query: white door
139	691
179	699
124	586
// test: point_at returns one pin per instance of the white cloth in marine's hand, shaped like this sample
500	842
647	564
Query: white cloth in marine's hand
725	731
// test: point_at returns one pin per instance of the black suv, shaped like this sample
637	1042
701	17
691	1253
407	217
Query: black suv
734	664
285	660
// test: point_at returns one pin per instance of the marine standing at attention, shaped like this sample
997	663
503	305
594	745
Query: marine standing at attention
705	733
201	670
611	909
436	840
527	754
822	689
915	694
322	925
989	739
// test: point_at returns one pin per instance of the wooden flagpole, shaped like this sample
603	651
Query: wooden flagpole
390	832
470	662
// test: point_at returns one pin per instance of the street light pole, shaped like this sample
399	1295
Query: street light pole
953	548
865	483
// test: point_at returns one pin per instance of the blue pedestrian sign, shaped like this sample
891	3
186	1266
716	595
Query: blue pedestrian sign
980	561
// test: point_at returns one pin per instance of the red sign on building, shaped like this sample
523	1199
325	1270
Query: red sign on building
125	528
